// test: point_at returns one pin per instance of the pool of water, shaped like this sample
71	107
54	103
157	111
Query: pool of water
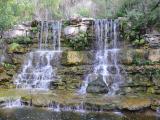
42	114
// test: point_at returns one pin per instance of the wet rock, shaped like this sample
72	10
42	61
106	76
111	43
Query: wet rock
138	80
1	69
4	77
97	86
141	69
156	78
67	82
135	103
154	55
11	72
18	58
75	70
126	57
155	104
4	57
77	58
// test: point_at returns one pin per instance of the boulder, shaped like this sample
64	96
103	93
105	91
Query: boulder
154	55
18	30
153	40
77	58
71	31
83	28
97	86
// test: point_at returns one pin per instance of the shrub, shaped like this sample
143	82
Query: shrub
79	42
21	40
138	43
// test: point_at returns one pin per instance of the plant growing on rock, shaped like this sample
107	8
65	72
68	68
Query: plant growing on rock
8	66
79	42
21	40
138	43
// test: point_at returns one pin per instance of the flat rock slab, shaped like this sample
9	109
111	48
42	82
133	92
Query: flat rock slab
72	99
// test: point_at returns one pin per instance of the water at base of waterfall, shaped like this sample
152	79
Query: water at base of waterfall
13	103
59	108
106	58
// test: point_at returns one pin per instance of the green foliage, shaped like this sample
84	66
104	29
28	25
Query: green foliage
138	43
84	12
14	46
79	42
140	16
34	30
12	12
8	66
140	61
7	14
49	6
21	40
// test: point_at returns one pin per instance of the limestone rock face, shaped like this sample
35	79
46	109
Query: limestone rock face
135	104
83	28
154	55
71	31
18	30
77	58
5	58
130	56
153	40
4	77
97	86
18	59
138	80
126	56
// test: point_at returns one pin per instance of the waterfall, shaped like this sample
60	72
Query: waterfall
39	70
13	103
107	63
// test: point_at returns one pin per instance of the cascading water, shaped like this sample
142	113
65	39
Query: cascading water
107	64
13	103
40	68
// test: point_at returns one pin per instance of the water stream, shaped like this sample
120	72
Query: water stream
107	64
